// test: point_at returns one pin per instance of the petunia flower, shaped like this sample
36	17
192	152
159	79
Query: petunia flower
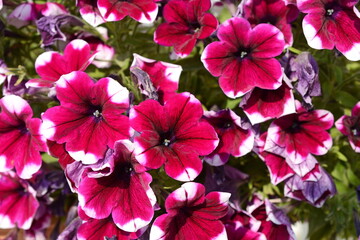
192	215
18	203
332	23
89	118
89	12
172	135
143	11
314	191
235	138
244	57
186	22
164	76
350	126
261	105
20	138
52	65
300	134
274	12
130	200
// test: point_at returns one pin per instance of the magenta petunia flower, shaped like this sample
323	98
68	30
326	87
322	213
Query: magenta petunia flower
130	200
89	12
192	215
164	76
332	23
350	126
18	203
314	191
20	138
51	65
89	119
261	105
144	11
274	12
300	134
235	139
186	22
244	57
94	229
173	135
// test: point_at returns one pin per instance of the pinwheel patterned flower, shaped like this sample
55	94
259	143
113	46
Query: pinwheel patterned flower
20	138
173	135
144	11
52	65
89	119
332	23
186	22
300	134
130	200
89	12
18	203
192	215
350	126
244	57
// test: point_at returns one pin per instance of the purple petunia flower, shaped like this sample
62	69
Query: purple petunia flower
192	215
186	22
20	138
350	126
332	23
144	11
89	119
173	135
244	57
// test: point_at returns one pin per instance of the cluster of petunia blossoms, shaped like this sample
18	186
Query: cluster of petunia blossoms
115	151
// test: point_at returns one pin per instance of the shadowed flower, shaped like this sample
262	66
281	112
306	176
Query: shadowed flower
173	135
244	57
192	215
186	22
350	126
332	23
89	119
235	138
18	203
20	139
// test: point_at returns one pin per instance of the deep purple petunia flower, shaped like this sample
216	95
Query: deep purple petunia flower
300	134
144	11
235	139
186	22
89	119
350	126
52	65
244	57
129	199
173	135
18	203
332	23
192	215
274	12
20	138
314	191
